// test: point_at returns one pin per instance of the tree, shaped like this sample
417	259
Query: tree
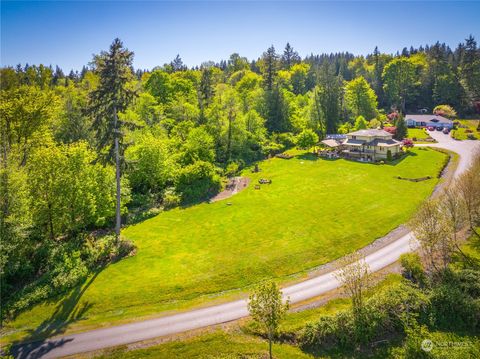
401	130
360	98
270	67
399	79
267	308
112	96
430	232
177	64
470	69
289	57
469	189
445	110
330	96
307	139
353	273
360	123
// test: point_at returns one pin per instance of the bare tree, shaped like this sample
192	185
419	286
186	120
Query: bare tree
454	214
469	190
354	275
430	230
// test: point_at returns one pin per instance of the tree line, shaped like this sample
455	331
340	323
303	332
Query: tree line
83	152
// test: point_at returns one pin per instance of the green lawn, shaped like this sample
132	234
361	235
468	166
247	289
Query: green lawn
418	133
213	345
313	212
469	125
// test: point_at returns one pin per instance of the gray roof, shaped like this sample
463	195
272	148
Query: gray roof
351	142
331	143
384	143
428	118
371	132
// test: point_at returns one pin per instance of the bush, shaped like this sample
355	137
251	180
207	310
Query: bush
382	315
389	156
413	268
232	169
170	198
286	139
198	181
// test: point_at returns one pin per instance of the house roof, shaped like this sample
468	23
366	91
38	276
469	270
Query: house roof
428	118
384	143
371	132
331	143
351	142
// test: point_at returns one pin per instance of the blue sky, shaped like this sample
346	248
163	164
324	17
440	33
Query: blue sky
67	33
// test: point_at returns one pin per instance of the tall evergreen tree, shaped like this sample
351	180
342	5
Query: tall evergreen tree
270	67
114	69
289	57
177	64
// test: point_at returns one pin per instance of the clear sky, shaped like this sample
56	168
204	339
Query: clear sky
67	33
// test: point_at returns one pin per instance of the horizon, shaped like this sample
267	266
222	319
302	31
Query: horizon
249	29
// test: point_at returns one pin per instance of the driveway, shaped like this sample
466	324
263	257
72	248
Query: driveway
195	319
465	149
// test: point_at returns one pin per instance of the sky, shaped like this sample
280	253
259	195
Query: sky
68	33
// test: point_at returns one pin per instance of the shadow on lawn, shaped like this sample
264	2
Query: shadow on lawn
67	312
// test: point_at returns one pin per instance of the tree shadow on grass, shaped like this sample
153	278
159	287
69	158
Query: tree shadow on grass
307	156
36	344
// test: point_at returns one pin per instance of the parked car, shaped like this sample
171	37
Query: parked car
446	130
439	128
431	128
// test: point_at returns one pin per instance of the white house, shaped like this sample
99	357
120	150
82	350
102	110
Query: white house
435	121
371	145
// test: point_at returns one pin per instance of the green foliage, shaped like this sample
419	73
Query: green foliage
360	98
413	268
401	130
360	123
266	307
389	156
445	110
307	139
198	181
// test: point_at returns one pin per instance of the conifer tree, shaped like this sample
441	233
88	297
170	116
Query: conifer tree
111	96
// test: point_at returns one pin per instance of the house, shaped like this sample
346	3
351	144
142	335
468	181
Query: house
435	121
370	145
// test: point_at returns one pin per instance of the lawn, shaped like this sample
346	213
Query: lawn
467	127
313	212
419	134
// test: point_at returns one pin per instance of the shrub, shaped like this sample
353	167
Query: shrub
389	155
198	181
232	169
170	198
413	268
286	139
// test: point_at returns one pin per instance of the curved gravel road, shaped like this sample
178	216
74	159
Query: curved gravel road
195	319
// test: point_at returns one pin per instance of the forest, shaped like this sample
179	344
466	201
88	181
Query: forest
179	132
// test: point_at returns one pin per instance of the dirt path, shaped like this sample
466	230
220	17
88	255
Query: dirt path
235	185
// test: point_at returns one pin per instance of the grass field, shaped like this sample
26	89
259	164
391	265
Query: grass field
418	133
461	132
314	211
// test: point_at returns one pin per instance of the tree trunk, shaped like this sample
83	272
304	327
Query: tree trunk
270	345
117	165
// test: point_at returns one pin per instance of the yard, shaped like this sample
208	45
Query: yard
313	212
419	134
466	128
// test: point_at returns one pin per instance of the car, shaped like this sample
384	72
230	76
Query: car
446	130
430	128
439	128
